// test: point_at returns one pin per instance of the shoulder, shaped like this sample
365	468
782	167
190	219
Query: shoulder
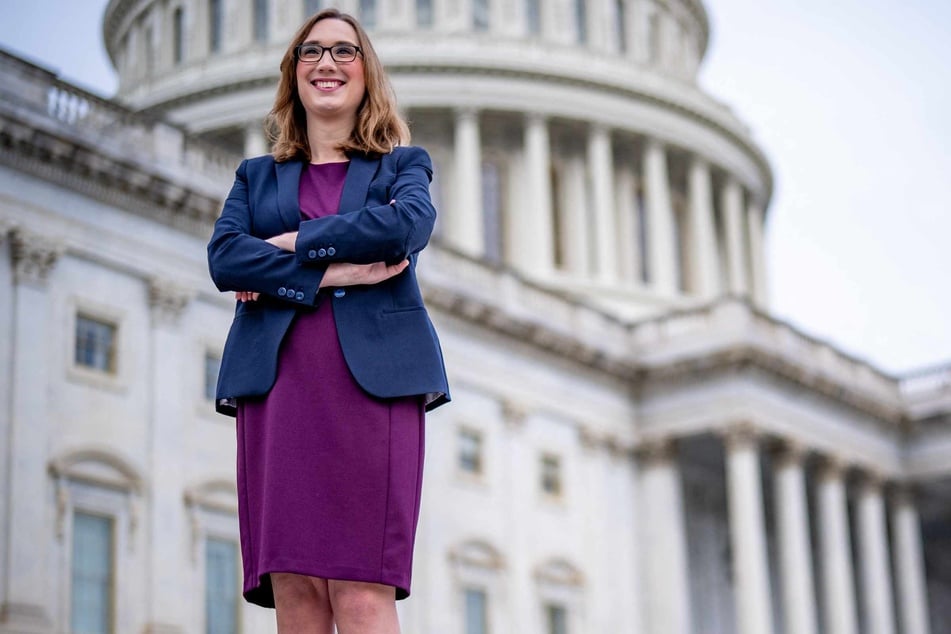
406	155
265	161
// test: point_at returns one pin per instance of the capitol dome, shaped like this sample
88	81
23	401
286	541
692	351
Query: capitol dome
571	141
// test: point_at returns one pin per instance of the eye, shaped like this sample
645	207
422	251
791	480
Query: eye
345	51
309	51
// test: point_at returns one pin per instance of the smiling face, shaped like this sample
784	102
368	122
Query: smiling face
331	90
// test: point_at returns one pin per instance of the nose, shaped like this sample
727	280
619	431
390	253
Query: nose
326	61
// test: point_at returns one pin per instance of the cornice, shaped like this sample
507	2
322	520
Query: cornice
73	164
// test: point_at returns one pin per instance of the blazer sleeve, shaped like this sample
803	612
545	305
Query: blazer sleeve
240	261
382	233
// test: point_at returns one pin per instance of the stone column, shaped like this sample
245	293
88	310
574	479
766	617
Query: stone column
169	415
873	558
704	273
601	171
835	551
536	236
755	217
661	237
795	550
575	221
27	596
465	219
748	532
255	141
664	541
627	229
732	205
909	565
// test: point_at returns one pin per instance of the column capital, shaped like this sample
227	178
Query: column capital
657	450
790	451
167	301
34	256
832	467
741	434
466	112
514	413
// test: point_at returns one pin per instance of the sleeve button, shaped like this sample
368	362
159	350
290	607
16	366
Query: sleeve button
300	296
322	252
312	254
331	251
282	291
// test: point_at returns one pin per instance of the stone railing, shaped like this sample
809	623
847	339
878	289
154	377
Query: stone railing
927	381
41	96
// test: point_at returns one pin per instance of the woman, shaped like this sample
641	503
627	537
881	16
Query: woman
331	360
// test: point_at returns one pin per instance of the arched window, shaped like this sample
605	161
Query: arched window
581	20
533	17
368	13
476	568
560	586
480	15
261	20
424	13
215	25
178	35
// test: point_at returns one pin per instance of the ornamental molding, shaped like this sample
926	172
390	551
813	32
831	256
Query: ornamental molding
33	255
168	300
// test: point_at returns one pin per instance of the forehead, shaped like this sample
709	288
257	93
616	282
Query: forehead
330	31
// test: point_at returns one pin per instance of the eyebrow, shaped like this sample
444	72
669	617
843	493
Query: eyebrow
317	43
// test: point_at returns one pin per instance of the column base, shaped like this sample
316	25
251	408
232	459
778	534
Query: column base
163	628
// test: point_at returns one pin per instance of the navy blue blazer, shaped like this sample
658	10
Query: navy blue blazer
385	333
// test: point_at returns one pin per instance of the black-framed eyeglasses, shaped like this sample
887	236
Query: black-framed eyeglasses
313	53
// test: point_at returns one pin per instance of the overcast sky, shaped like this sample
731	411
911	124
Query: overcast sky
850	100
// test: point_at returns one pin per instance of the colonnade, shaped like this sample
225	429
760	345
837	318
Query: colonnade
713	245
840	599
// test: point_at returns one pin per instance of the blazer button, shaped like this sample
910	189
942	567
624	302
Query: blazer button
282	291
299	297
321	252
331	251
339	292
312	254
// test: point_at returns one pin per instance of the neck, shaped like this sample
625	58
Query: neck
326	137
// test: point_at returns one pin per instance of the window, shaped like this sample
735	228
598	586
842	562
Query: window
212	365
620	24
480	15
533	16
92	577
551	475
178	35
556	619
581	20
424	13
470	451
368	13
492	192
312	6
260	20
221	586
475	611
215	25
95	344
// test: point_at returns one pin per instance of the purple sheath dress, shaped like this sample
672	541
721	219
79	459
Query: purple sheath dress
329	477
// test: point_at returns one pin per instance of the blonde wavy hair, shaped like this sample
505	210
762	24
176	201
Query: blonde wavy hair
379	127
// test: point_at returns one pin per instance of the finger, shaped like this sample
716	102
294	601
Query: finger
254	296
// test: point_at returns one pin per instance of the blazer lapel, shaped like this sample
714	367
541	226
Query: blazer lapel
355	187
288	188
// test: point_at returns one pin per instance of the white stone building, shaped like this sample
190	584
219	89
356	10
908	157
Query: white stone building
635	445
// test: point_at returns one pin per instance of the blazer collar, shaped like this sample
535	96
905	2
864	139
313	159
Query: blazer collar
359	174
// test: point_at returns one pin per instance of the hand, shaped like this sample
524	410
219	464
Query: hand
346	274
286	241
246	296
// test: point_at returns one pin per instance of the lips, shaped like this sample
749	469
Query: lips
327	84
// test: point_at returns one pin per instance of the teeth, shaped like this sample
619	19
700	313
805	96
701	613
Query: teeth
327	84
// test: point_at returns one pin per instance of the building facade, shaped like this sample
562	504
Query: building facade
635	445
